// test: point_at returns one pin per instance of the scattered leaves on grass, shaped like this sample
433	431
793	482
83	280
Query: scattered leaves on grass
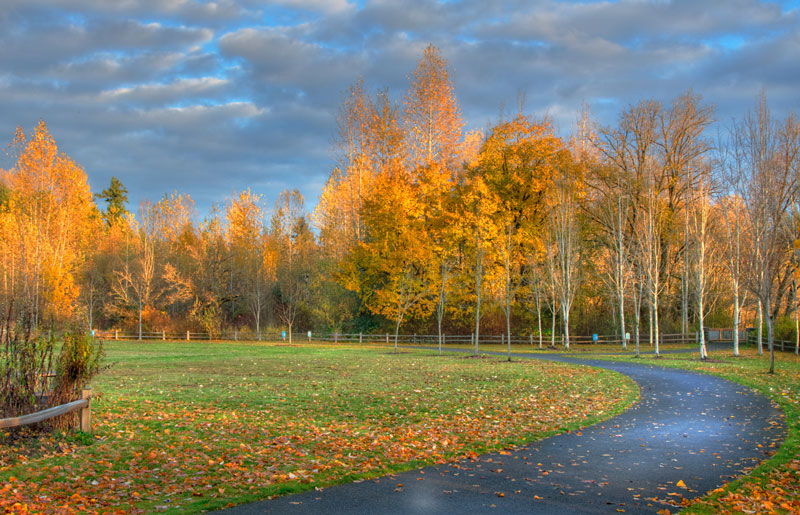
193	426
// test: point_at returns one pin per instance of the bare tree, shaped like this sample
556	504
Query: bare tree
702	251
730	203
770	152
537	290
290	234
568	243
612	213
649	230
136	283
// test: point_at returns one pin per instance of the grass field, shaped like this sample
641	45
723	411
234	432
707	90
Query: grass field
181	427
581	348
773	487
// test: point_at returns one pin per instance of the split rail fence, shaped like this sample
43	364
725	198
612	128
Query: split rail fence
83	405
712	335
383	338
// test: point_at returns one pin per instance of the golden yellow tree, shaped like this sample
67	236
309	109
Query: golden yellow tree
517	163
46	217
388	268
431	115
249	259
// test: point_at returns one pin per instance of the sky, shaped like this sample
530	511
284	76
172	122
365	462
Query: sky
212	97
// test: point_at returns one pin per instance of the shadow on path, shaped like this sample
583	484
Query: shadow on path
687	426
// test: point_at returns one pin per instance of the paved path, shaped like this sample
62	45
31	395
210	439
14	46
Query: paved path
687	427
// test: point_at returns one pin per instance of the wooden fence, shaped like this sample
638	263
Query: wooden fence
712	335
384	338
84	404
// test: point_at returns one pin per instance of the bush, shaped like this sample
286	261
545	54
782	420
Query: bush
78	361
25	362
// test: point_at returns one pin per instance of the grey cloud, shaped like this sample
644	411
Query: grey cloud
210	97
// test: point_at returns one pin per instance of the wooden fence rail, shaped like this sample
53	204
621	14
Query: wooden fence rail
427	339
84	404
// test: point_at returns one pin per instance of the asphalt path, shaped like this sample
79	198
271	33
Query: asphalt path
686	427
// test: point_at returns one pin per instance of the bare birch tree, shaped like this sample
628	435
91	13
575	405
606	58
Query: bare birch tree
770	152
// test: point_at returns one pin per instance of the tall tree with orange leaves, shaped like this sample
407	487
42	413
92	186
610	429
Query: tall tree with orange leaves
47	216
431	115
517	162
433	131
251	262
388	269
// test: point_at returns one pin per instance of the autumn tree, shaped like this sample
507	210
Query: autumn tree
770	153
388	268
350	182
211	276
432	126
517	162
293	243
46	222
252	263
432	119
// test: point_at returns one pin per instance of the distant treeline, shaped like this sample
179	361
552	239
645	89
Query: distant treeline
662	222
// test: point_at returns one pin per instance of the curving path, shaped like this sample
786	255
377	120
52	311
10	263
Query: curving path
688	427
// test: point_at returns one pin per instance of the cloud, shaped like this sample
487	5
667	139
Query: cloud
211	97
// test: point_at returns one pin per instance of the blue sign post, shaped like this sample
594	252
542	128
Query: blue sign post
283	334
594	338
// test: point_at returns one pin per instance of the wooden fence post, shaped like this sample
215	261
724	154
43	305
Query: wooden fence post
187	336
387	338
86	413
236	335
531	338
163	335
116	334
360	337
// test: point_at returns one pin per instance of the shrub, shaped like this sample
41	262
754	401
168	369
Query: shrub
78	361
25	361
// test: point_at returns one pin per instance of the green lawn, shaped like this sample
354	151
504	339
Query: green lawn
575	348
773	487
183	426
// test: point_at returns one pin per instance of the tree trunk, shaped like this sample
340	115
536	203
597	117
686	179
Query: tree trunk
140	319
760	327
736	322
771	342
703	351
539	320
622	321
396	332
655	324
440	336
508	330
478	278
